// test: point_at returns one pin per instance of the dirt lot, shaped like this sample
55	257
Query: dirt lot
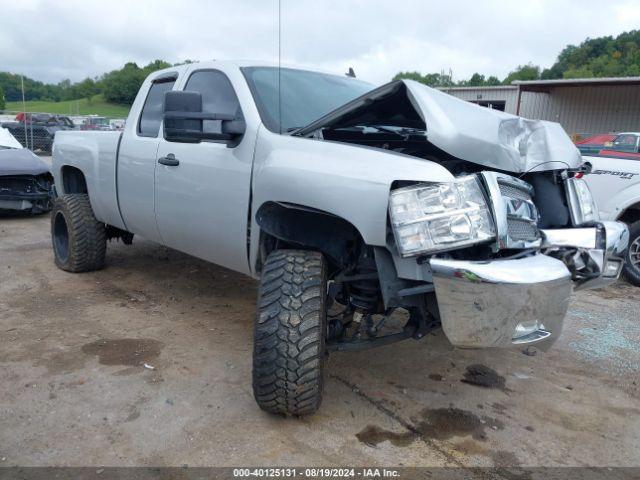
74	390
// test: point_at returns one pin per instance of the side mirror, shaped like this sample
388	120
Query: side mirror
183	120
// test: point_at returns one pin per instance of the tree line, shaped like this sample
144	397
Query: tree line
595	57
118	86
11	86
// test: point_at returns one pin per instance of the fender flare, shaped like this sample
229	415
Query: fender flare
309	227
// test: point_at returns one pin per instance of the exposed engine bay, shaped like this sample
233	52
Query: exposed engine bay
26	192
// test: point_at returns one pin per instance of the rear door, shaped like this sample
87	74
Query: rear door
202	203
137	159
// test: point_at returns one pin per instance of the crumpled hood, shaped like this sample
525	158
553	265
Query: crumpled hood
477	134
21	161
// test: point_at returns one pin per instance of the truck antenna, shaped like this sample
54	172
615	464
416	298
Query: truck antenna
279	66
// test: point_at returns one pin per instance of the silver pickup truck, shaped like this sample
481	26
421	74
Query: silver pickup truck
369	215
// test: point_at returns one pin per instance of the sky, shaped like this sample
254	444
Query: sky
54	40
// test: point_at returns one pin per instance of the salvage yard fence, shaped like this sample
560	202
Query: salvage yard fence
36	130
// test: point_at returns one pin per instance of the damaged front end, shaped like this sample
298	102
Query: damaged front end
496	253
512	287
26	185
30	193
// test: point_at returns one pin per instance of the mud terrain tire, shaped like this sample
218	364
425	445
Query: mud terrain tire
79	239
632	255
289	333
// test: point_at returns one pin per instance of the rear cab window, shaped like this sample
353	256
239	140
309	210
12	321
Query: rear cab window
151	115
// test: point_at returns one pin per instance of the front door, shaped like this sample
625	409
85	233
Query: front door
202	196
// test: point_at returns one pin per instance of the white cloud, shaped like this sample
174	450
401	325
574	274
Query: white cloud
74	39
627	15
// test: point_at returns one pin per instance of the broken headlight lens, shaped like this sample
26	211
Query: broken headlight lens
442	216
581	203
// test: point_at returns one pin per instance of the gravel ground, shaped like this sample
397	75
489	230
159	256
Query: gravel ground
75	391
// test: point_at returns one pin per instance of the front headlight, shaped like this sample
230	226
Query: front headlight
581	204
434	217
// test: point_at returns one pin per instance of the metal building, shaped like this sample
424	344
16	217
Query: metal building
502	97
582	106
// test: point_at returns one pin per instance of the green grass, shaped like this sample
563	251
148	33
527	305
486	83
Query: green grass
97	106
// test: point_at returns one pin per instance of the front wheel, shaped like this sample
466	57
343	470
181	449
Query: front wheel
289	333
632	260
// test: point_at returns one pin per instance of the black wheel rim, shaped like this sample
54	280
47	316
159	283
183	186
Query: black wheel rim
61	237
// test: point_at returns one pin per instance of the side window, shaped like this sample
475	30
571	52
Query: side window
625	143
151	116
218	96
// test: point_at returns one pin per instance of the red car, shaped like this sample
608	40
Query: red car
96	123
593	145
625	145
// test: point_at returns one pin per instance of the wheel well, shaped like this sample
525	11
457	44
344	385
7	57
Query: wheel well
631	214
73	180
289	225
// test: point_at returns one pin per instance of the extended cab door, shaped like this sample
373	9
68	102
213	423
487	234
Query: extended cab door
137	157
202	200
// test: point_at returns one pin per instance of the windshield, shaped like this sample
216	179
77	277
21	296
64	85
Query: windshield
306	96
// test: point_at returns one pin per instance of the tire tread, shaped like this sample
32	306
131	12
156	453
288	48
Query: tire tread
289	333
632	274
87	236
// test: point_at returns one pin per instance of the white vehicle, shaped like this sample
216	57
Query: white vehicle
7	140
615	185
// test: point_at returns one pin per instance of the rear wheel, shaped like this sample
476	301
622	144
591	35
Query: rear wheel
289	333
632	257
79	239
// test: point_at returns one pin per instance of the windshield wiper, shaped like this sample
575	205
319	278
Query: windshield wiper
403	132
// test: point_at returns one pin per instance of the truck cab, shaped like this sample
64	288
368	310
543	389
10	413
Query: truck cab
368	215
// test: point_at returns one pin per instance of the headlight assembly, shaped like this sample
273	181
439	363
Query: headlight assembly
581	204
428	218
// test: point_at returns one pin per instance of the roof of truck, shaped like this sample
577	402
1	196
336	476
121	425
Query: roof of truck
249	63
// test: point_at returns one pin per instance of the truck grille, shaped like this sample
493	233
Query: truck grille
513	192
522	229
515	213
522	215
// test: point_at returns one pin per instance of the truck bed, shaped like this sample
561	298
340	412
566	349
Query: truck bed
95	154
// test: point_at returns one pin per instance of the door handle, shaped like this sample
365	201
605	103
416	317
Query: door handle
170	160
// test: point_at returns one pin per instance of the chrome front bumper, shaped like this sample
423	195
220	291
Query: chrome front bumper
597	253
511	302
